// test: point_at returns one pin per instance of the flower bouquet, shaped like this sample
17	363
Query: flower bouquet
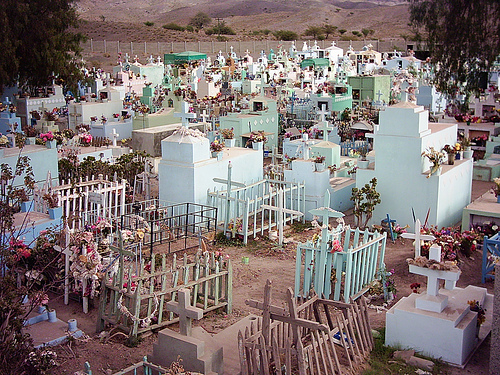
256	136
319	159
227	133
496	188
216	146
435	157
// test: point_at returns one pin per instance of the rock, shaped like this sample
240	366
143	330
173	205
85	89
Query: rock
405	355
424	364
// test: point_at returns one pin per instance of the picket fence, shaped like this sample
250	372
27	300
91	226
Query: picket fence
79	207
147	295
491	255
243	210
363	254
141	368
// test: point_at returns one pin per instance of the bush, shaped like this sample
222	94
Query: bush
149	23
173	26
190	28
286	35
222	28
199	20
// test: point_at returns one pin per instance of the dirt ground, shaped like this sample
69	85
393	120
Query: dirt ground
266	261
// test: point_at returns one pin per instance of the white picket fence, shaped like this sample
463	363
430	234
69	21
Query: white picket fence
243	209
87	200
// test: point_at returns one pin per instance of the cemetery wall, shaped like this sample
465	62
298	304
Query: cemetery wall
212	48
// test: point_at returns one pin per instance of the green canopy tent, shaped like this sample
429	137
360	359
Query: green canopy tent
184	57
318	62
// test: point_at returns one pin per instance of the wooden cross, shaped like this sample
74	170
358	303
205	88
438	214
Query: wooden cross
185	311
229	184
325	213
389	222
281	211
418	236
185	115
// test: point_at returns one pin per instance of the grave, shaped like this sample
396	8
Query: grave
25	105
439	322
186	170
198	354
404	133
9	120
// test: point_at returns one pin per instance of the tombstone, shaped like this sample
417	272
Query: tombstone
196	347
438	322
418	236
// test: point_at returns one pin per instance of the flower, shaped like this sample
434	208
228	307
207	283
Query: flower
452	149
256	136
336	246
319	159
496	188
481	312
227	133
216	146
435	157
3	140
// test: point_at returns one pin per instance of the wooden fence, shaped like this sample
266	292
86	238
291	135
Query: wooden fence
316	337
141	368
140	305
363	254
491	255
242	213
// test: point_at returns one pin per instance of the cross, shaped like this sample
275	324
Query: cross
229	184
115	137
305	146
325	213
293	102
432	300
418	236
389	222
262	84
185	115
185	311
439	100
281	211
204	118
379	94
324	124
74	114
322	112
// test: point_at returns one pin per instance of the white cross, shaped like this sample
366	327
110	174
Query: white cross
305	146
418	236
204	118
280	212
185	311
115	137
185	115
322	112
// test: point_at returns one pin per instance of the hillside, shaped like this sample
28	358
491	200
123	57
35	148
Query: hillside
124	19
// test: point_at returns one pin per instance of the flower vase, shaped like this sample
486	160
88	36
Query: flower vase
468	153
52	316
55	213
451	159
27	206
230	142
258	145
41	309
363	164
320	167
51	144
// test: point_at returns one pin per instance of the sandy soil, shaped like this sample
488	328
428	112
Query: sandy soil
266	262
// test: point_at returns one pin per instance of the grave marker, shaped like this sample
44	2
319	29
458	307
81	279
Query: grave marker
185	311
389	222
418	236
185	115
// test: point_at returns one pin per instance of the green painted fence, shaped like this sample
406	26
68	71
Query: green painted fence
341	274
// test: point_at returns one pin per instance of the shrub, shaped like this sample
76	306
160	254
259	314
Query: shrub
149	23
286	35
173	26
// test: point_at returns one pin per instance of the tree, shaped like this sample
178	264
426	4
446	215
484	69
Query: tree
314	31
462	37
200	20
36	42
285	35
342	31
221	28
367	32
329	29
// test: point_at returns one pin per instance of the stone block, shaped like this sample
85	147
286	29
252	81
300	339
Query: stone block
424	364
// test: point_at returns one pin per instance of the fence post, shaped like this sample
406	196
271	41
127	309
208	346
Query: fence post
91	45
118	47
105	46
131	48
145	44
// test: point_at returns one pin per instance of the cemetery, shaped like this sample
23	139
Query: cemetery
302	206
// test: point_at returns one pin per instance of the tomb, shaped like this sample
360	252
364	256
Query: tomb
403	134
54	99
9	121
186	170
439	322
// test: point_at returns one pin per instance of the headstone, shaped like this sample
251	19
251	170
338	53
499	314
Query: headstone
417	237
185	311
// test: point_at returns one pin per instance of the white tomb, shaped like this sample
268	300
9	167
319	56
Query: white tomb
437	323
